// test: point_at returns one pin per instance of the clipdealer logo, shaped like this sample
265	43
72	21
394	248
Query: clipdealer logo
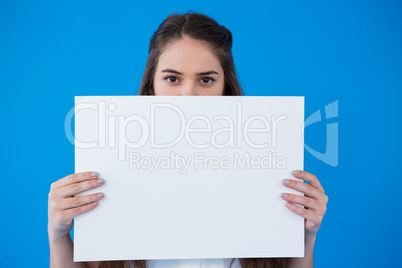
112	133
331	155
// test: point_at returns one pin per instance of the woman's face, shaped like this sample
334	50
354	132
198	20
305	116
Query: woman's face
187	67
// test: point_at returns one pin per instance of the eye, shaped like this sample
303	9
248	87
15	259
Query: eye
172	79
207	80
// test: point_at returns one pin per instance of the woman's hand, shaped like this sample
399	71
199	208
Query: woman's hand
314	201
63	206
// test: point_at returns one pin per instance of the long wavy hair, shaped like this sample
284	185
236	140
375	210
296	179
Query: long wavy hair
203	28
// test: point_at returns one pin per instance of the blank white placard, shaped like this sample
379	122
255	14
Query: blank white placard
214	192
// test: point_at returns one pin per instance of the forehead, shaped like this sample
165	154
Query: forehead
188	55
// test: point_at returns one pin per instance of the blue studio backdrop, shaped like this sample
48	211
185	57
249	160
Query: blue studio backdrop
345	53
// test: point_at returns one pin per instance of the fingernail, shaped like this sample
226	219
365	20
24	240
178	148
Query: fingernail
94	174
286	181
101	181
95	203
296	172
100	195
284	195
287	204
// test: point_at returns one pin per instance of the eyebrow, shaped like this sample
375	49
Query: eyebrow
176	72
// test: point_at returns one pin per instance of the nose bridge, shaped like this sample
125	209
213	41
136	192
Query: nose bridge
189	89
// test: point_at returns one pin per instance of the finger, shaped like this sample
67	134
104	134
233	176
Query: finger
311	178
305	213
77	188
72	202
74	212
302	200
304	188
74	178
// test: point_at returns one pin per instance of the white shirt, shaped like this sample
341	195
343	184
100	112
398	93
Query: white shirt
192	263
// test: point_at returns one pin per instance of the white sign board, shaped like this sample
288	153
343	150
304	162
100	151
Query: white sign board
189	176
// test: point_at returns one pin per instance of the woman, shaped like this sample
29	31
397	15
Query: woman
189	54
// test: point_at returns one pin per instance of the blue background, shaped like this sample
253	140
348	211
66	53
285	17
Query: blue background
350	51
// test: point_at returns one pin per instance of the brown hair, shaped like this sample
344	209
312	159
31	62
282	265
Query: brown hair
245	263
219	38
